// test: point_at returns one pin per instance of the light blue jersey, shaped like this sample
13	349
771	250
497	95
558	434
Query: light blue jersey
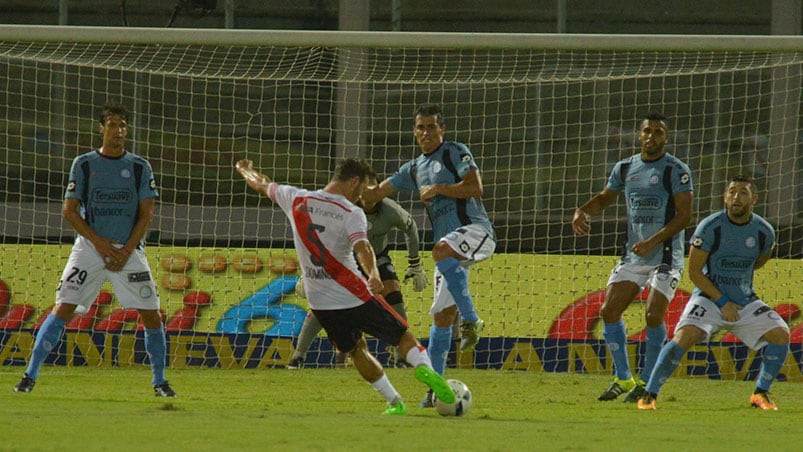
110	190
649	189
732	252
449	164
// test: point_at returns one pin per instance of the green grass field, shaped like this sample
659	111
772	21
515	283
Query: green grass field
88	409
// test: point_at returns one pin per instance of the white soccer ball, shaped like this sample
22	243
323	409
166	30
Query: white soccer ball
462	400
300	288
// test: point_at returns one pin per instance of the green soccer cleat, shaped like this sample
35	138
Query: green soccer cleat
396	409
436	382
617	388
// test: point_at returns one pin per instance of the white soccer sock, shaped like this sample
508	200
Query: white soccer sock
417	356
384	387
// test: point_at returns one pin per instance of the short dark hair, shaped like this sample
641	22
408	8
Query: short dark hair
352	167
111	110
430	110
655	116
747	179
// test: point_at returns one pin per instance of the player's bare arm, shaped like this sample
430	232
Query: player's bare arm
697	260
376	193
367	260
104	246
594	206
256	180
469	187
682	218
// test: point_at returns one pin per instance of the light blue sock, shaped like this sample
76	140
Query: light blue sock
440	341
457	284
46	340
156	346
668	361
616	338
771	363
655	342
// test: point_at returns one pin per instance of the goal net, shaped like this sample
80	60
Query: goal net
546	117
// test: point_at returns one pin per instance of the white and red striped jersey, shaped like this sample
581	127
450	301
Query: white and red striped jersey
326	227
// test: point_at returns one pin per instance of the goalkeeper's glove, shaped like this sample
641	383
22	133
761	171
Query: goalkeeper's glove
416	273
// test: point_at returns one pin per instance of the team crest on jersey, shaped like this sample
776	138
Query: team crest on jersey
750	242
466	158
436	167
71	186
684	178
654	180
125	174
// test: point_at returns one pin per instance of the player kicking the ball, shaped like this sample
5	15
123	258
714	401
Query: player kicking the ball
110	199
726	249
328	232
383	217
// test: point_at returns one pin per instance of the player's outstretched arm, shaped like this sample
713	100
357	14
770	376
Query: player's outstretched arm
376	193
256	180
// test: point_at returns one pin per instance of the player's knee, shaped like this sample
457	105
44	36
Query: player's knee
654	319
779	336
442	250
611	312
446	317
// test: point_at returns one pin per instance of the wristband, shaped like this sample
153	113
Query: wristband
721	301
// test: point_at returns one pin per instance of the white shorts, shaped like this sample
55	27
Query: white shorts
85	273
755	320
475	245
662	278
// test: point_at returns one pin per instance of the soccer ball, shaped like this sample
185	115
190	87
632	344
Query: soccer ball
462	400
300	288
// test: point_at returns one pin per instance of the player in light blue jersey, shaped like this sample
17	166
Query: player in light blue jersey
447	180
658	192
726	249
110	202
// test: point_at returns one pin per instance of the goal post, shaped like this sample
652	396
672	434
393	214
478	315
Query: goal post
546	117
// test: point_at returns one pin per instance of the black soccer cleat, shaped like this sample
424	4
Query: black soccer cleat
25	385
164	390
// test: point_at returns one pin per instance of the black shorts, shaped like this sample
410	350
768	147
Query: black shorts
386	270
345	327
385	266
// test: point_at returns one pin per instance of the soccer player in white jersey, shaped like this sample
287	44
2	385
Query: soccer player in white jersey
726	249
328	232
447	180
110	201
658	191
382	217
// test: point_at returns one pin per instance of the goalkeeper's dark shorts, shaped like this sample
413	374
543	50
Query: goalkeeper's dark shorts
387	272
345	327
